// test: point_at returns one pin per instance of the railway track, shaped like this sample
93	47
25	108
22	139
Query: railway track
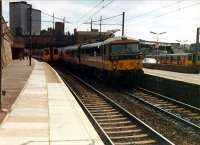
114	124
185	113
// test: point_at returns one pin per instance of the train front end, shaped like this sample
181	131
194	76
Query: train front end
126	60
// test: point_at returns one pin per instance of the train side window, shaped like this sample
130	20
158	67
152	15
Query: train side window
82	51
55	51
190	57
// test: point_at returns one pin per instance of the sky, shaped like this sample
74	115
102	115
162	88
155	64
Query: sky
178	18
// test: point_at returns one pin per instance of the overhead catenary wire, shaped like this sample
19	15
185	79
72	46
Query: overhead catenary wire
99	10
106	18
154	10
103	24
88	12
61	19
167	13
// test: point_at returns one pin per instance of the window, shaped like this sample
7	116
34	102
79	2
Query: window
189	57
121	49
55	51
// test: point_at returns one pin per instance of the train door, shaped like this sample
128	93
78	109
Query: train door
79	54
194	60
105	53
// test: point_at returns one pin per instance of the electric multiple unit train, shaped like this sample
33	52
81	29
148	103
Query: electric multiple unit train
118	56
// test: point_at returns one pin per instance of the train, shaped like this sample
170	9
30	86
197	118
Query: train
114	57
182	59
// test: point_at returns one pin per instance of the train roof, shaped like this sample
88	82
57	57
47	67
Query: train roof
71	47
120	38
92	45
110	40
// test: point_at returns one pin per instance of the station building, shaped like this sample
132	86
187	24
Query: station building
20	19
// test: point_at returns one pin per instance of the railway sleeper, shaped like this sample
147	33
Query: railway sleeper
105	113
129	131
95	105
119	123
101	110
131	138
108	116
145	142
99	107
120	127
112	119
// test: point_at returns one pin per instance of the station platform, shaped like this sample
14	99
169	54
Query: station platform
182	77
46	113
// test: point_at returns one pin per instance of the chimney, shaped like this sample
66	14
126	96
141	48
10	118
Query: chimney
197	38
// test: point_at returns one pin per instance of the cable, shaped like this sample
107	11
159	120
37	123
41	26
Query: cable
152	11
90	11
103	24
103	7
106	18
169	12
55	17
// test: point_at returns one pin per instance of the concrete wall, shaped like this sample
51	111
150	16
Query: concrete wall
185	92
6	44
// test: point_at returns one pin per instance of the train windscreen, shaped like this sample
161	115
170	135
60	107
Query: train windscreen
124	49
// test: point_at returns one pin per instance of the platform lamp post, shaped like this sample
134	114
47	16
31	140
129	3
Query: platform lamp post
182	42
157	45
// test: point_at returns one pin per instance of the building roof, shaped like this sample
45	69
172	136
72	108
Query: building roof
21	2
119	38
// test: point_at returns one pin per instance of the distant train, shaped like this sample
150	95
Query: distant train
118	56
46	54
185	59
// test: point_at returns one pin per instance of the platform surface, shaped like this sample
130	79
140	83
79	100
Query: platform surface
46	113
14	77
188	78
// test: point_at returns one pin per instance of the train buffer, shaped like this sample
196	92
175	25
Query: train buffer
45	113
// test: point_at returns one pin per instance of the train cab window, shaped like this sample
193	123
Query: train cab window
121	49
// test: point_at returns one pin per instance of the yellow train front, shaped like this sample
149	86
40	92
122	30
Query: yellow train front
115	57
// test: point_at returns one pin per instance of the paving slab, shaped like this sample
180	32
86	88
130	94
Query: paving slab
46	113
14	77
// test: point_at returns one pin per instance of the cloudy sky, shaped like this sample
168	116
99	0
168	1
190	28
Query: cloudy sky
178	18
